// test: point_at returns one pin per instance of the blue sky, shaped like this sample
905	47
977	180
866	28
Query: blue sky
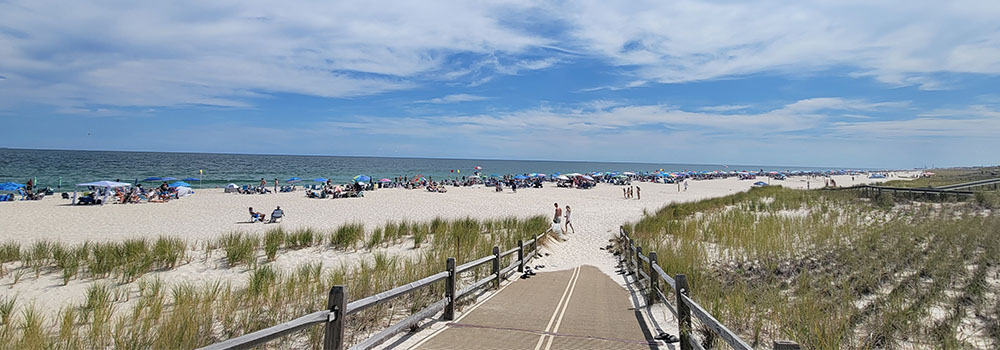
812	83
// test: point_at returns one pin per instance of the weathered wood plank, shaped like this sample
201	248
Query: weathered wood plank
475	286
508	252
403	325
706	319
362	304
466	266
247	341
665	276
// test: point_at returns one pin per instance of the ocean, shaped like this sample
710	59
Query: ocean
52	167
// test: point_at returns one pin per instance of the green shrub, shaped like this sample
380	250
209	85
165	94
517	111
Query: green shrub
989	200
303	237
375	239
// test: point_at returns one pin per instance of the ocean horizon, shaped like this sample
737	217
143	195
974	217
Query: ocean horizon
64	168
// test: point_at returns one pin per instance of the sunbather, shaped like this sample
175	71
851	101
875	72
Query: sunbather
277	214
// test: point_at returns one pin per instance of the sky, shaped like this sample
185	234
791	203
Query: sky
888	84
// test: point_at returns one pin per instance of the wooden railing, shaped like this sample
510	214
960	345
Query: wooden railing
648	271
338	309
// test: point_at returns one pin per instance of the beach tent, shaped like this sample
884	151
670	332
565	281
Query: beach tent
10	186
184	191
106	185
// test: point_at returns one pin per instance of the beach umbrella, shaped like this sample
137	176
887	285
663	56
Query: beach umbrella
192	179
585	177
168	178
149	179
628	173
494	175
384	180
319	179
520	177
10	186
362	178
293	180
180	184
478	168
540	175
562	177
573	174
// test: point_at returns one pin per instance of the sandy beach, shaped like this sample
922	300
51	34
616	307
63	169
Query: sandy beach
210	213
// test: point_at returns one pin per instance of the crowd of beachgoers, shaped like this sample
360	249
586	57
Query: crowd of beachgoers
108	192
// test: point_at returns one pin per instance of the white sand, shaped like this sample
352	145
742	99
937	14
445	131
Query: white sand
597	214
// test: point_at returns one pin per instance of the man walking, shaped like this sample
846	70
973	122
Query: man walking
638	193
558	217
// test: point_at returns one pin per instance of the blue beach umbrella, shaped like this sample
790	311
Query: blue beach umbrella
10	186
362	178
168	178
520	177
148	179
192	179
494	175
319	179
293	180
180	184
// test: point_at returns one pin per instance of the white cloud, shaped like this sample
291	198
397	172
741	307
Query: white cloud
455	98
724	108
971	122
898	42
70	53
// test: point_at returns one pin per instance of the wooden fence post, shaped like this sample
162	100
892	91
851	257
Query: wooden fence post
683	312
520	256
496	266
449	286
786	345
654	280
534	246
337	304
638	266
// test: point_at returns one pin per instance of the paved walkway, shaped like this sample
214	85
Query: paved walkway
580	308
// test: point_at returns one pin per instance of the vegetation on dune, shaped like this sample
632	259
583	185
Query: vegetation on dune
830	269
192	315
951	176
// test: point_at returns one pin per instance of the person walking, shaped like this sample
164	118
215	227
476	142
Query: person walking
556	218
638	193
624	193
569	225
275	185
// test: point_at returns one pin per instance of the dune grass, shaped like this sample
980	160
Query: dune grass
828	269
190	315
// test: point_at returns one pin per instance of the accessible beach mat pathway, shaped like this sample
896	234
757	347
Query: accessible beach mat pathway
581	308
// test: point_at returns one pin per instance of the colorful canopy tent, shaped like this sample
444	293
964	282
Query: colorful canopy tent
10	186
106	187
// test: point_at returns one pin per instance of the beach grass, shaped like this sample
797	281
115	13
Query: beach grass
240	248
152	314
273	239
829	269
347	236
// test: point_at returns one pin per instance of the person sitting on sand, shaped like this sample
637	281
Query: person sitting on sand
255	216
442	189
277	214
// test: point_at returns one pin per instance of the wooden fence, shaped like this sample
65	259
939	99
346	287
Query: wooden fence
648	272
338	308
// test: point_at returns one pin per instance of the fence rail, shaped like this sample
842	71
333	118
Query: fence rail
632	262
338	309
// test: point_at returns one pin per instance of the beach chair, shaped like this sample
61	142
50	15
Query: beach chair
276	216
